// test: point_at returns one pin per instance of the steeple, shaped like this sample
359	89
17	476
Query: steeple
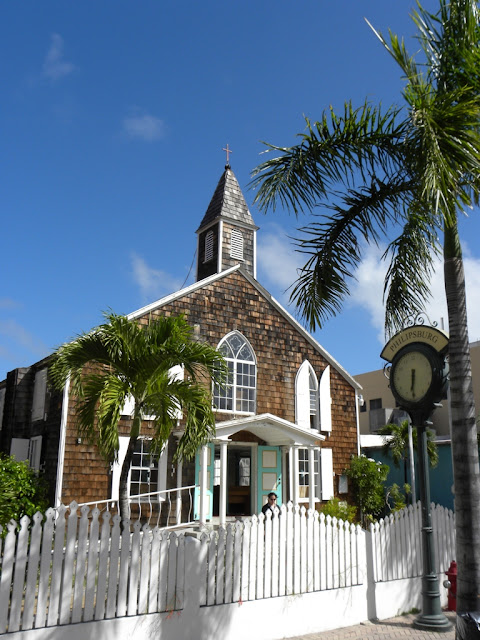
226	235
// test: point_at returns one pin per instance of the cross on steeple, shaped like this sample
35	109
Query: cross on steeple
228	152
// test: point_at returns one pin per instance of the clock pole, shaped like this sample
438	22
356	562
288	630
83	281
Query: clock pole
418	380
431	618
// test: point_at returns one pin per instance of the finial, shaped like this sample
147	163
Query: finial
228	152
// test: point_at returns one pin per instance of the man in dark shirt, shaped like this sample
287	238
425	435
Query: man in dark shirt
271	504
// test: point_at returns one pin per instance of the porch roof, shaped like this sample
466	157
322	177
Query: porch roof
272	429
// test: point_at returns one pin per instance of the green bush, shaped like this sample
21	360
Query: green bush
339	509
367	480
22	493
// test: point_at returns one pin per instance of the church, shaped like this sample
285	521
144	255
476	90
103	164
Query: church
286	419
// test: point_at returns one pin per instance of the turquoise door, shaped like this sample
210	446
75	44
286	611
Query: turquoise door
269	474
210	477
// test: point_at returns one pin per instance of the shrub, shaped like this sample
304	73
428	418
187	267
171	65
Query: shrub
23	491
339	509
367	478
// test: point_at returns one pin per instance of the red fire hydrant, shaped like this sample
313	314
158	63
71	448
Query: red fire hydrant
451	585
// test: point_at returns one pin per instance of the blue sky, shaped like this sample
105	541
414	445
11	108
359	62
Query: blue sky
113	120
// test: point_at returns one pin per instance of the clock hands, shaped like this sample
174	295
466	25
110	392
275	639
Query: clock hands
412	388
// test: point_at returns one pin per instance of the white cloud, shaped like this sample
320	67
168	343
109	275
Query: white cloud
54	66
20	336
367	292
144	127
278	261
153	283
9	303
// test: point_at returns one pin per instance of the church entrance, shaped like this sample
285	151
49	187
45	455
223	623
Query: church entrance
239	481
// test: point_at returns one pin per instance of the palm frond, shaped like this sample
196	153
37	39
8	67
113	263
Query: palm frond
365	141
335	245
406	289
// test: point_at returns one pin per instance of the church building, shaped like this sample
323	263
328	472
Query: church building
286	419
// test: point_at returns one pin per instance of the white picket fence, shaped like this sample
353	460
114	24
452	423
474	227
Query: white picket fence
397	543
74	567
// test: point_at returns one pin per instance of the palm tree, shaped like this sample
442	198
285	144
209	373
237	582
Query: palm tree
396	444
407	173
122	360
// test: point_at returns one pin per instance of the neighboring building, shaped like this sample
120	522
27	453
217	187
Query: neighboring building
286	420
379	408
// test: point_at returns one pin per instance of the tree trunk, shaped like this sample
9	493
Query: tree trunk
464	432
123	484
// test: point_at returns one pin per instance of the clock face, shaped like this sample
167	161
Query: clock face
412	376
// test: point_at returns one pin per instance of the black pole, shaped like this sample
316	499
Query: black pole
431	618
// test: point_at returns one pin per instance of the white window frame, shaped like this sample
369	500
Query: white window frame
236	370
304	474
35	452
117	468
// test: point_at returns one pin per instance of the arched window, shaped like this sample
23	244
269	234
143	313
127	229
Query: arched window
313	404
238	394
306	396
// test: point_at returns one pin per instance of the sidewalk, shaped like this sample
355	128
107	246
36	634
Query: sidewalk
385	629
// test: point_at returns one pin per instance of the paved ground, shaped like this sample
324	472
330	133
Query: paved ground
386	629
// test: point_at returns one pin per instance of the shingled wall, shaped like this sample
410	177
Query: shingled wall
233	303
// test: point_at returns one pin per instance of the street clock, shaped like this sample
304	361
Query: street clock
418	376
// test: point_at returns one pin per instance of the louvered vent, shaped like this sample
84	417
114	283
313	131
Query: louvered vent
236	249
208	246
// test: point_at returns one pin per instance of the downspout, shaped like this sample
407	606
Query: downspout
61	444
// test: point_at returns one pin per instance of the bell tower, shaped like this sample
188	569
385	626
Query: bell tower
226	235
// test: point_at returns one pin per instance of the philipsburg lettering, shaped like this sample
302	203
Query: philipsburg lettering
428	335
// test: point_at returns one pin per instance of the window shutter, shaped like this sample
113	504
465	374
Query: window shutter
209	237
302	396
326	463
128	407
39	392
117	466
236	248
177	373
325	401
19	449
2	405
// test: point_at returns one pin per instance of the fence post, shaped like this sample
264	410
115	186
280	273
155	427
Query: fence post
370	575
195	556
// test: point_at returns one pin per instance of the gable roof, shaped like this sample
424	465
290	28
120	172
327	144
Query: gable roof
228	202
266	295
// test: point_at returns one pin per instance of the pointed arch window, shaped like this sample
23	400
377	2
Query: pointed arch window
238	394
313	404
306	396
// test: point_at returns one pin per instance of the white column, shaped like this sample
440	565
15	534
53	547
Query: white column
311	477
179	493
290	473
295	475
223	483
284	472
203	484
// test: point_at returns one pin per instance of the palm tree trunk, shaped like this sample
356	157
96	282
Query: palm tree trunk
464	431
123	484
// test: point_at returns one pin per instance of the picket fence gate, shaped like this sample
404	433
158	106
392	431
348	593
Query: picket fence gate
78	565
